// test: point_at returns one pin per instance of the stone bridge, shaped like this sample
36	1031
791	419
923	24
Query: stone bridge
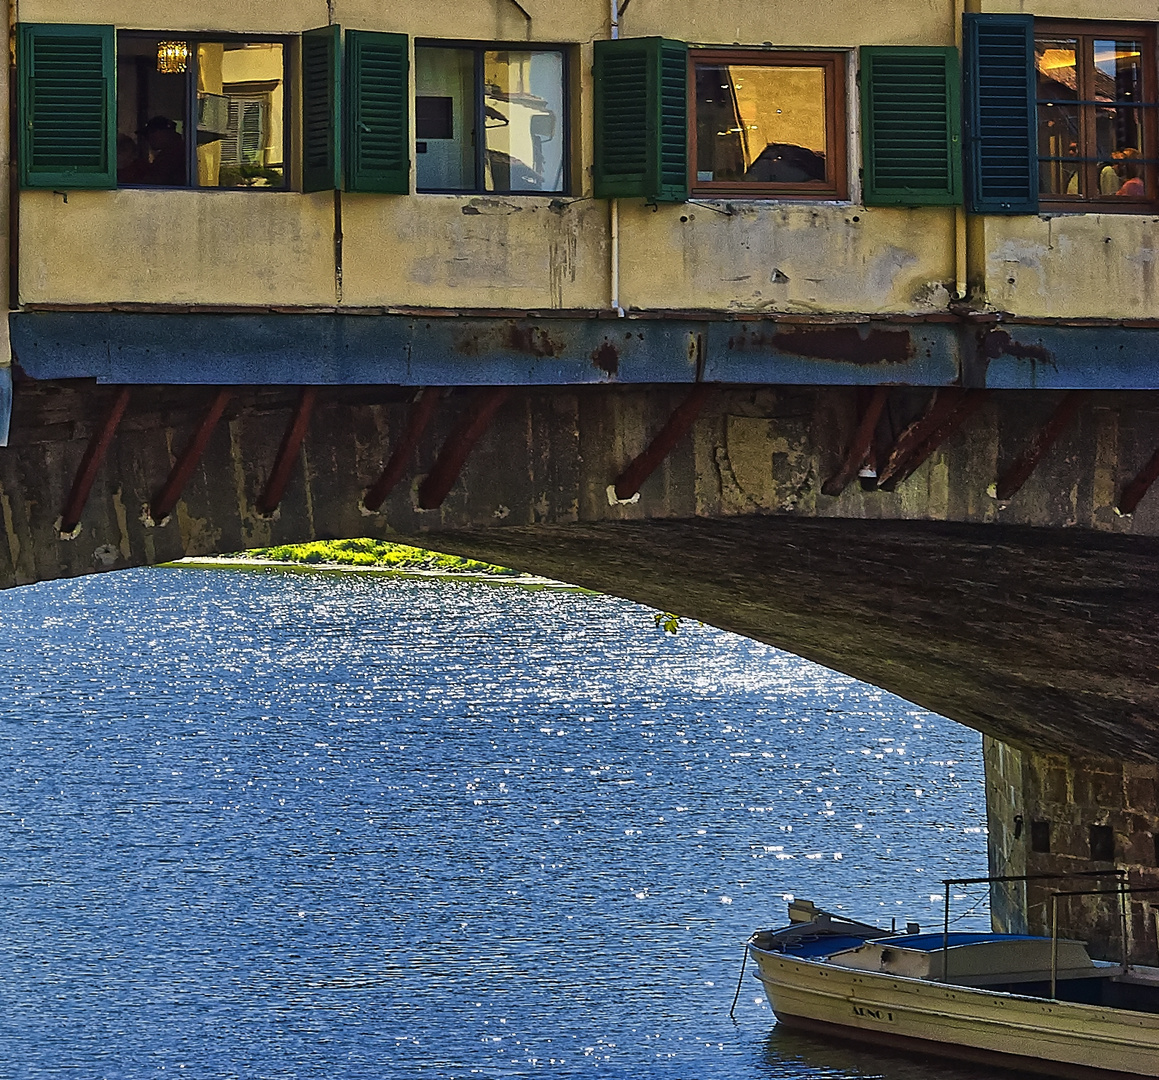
986	553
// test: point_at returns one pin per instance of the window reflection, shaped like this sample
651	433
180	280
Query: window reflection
761	124
445	119
230	95
520	114
240	114
152	99
523	110
1092	132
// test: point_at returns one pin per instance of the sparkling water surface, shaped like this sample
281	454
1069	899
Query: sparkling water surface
274	824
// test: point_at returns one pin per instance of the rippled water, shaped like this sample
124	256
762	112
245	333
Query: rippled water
331	825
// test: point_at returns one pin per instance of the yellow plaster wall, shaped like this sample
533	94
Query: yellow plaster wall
578	20
1124	11
1073	265
799	257
479	252
196	247
819	23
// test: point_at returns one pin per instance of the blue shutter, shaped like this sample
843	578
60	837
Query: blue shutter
67	106
1001	115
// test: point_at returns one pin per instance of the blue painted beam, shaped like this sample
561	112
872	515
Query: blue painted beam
330	349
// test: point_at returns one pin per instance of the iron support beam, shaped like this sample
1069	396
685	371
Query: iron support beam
859	445
947	413
90	464
288	451
162	505
1021	470
1133	493
678	425
421	413
434	489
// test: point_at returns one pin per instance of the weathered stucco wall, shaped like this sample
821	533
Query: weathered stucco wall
1073	265
177	247
478	252
799	257
1048	801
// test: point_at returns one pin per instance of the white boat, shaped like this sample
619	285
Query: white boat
978	997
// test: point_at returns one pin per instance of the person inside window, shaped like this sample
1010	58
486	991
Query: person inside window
131	165
166	166
1128	169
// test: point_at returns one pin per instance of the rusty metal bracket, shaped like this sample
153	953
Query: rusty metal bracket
288	451
1018	473
421	412
859	445
164	501
91	462
629	482
439	481
948	411
1133	493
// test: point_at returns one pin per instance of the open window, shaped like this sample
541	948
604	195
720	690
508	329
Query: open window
490	119
200	112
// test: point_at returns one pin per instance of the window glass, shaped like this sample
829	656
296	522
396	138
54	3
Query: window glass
229	95
445	119
240	114
1059	136
1094	136
760	124
152	106
1118	78
523	121
514	97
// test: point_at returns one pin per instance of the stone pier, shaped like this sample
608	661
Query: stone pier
1053	814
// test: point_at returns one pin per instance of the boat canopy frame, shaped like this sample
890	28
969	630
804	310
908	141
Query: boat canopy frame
1122	890
995	879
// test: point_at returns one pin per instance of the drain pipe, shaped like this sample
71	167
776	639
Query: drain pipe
614	204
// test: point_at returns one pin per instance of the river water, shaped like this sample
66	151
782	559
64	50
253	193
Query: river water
332	825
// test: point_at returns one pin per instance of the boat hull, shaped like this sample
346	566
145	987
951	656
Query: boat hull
1056	1038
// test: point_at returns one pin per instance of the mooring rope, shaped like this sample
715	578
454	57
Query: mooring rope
739	983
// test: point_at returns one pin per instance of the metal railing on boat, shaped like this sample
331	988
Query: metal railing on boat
996	879
1122	890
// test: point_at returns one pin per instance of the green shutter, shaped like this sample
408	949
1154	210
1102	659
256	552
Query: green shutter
911	126
321	109
67	102
641	119
377	112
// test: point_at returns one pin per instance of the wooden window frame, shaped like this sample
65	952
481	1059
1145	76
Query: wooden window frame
195	39
477	49
836	66
1086	32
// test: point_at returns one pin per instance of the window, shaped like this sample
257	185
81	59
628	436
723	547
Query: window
768	123
1102	841
200	113
490	120
1096	114
1040	837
